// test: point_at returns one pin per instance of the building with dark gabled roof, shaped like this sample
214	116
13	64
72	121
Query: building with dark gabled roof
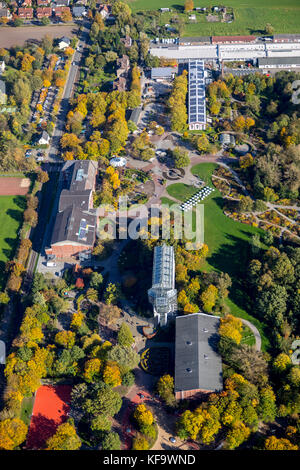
278	62
76	223
286	37
163	295
194	41
198	365
135	115
74	231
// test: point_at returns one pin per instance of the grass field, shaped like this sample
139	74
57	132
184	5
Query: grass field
11	210
227	240
251	16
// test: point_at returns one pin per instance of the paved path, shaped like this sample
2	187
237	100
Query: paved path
255	332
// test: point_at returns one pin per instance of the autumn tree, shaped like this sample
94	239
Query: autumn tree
273	443
111	441
108	313
189	5
42	177
165	389
111	374
12	433
209	297
65	438
231	327
92	369
143	416
125	337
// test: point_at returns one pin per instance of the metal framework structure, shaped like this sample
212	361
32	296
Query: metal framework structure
197	111
163	295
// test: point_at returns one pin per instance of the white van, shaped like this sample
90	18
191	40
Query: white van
50	264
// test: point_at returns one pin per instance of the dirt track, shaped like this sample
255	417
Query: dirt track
11	186
11	36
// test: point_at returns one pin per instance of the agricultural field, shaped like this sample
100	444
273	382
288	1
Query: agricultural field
251	16
227	239
11	212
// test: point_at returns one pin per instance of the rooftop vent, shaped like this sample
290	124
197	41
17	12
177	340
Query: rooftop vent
189	370
189	343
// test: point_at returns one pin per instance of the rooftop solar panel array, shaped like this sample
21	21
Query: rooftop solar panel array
196	92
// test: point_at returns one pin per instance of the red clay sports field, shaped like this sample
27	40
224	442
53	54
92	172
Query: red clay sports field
51	408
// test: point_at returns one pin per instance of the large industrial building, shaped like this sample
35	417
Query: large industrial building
233	48
196	95
163	295
198	365
278	62
75	225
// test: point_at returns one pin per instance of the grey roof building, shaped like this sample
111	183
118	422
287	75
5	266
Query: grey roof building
286	37
198	365
75	224
80	179
194	41
163	73
163	295
278	62
78	11
75	227
135	115
197	107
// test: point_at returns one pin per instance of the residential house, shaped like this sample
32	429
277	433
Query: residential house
163	295
43	12
127	41
123	67
78	11
43	3
25	13
198	365
64	42
120	84
44	139
62	3
104	10
58	11
26	3
5	13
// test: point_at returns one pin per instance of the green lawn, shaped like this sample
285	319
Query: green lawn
251	16
26	409
227	241
11	211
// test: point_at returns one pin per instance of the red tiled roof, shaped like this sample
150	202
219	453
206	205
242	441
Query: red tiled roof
216	39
